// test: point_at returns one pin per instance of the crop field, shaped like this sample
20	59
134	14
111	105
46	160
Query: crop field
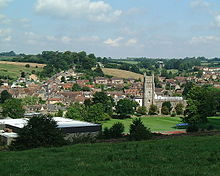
13	69
23	64
121	73
179	156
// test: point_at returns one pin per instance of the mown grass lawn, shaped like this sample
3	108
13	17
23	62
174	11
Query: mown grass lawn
156	124
182	156
160	124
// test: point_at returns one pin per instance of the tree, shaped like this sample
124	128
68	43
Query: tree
27	65
13	108
165	110
168	108
39	132
188	86
153	110
179	109
125	107
5	96
105	100
138	131
76	87
63	79
95	113
199	74
142	110
23	74
76	111
98	71
202	102
59	113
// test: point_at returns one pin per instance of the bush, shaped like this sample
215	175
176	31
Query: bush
192	128
153	110
138	131
142	110
210	127
115	131
165	110
173	114
41	131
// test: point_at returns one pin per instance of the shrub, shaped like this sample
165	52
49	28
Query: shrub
27	65
173	114
192	128
210	127
142	110
165	110
138	131
153	110
115	131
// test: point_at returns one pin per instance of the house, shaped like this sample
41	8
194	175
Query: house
67	85
101	80
54	100
117	81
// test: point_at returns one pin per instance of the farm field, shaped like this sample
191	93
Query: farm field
121	73
178	156
14	69
160	124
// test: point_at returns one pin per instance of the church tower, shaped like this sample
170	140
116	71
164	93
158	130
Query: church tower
149	90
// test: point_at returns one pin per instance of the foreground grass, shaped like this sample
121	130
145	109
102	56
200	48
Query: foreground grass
178	156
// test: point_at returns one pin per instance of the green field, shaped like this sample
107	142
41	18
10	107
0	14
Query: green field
14	71
180	156
130	62
156	124
160	124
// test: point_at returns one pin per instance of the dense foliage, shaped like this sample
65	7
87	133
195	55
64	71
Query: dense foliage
125	107
116	131
153	110
138	131
202	102
5	95
39	132
13	108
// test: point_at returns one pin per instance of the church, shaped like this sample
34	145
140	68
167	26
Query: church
150	97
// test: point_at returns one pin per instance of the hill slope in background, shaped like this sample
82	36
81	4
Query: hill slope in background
176	156
121	73
13	69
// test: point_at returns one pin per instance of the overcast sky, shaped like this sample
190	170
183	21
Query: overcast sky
112	28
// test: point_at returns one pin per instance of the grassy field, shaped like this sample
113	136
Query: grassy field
181	156
129	62
156	124
121	73
161	124
14	69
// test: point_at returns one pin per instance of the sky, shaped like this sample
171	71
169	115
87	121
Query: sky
112	28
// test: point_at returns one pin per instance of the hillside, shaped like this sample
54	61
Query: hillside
13	69
121	73
175	156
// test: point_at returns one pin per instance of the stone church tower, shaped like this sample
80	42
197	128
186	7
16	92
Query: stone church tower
149	91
